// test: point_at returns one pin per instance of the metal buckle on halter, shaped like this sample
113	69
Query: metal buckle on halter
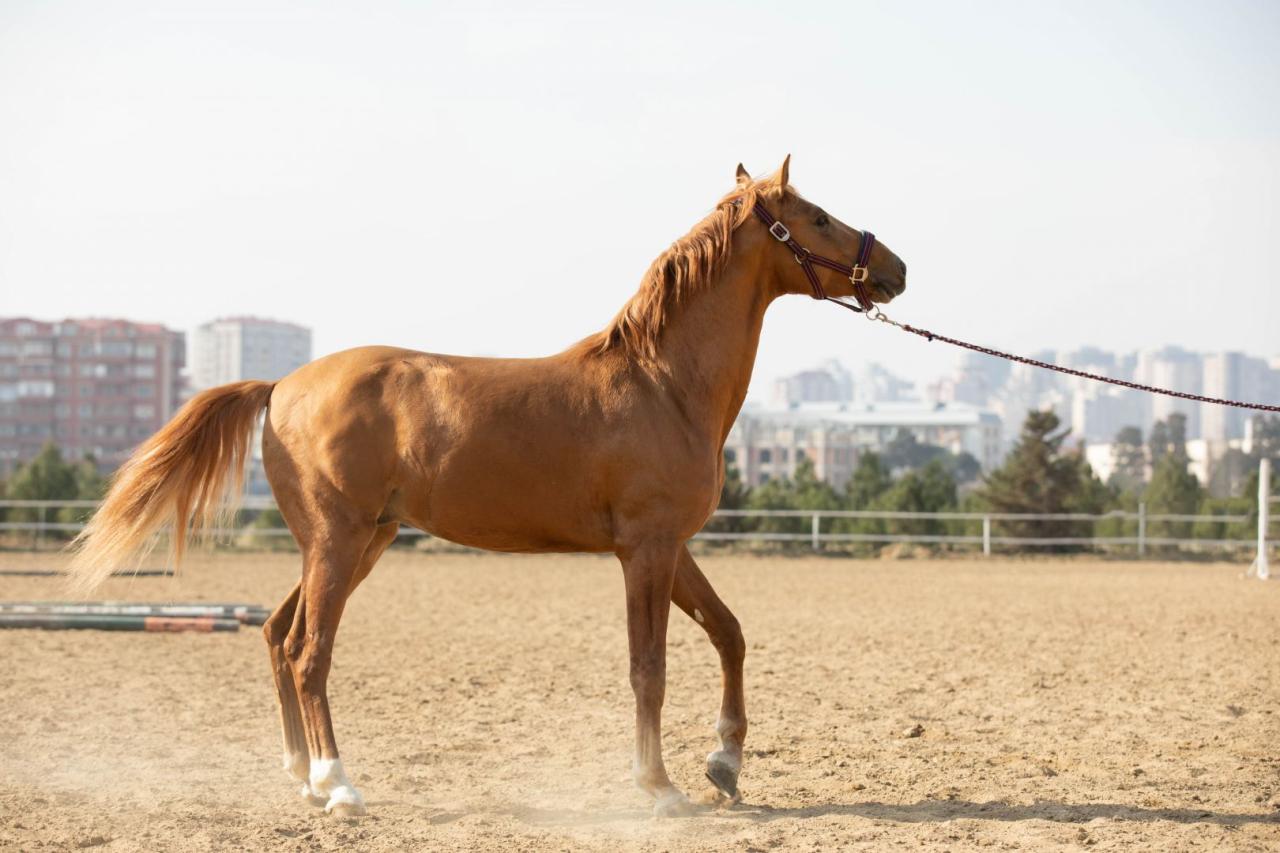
859	275
780	232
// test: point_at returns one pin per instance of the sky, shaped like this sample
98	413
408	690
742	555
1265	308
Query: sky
494	178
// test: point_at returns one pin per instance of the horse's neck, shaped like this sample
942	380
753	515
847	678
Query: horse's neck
709	345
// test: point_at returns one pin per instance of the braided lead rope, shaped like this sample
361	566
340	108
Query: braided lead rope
877	314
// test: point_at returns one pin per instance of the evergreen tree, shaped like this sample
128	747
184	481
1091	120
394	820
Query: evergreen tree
1173	490
964	467
734	492
904	452
1168	437
90	486
1129	461
1038	477
928	489
45	478
812	493
1158	443
869	481
778	493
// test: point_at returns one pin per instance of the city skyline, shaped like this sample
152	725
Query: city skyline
765	381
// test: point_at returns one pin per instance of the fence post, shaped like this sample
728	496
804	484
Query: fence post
1260	567
817	543
40	529
986	536
1142	528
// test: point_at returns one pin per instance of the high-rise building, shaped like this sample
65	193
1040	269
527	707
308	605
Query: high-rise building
1234	376
234	348
96	387
1179	370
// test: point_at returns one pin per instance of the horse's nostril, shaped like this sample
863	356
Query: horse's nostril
902	265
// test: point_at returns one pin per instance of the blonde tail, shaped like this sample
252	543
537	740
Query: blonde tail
182	476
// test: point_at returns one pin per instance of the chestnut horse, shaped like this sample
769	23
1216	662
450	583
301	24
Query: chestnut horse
614	445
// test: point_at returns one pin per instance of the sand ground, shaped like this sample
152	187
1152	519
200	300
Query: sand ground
482	702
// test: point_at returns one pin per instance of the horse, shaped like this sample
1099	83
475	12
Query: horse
614	445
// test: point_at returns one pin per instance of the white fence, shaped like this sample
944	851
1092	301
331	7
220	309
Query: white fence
817	532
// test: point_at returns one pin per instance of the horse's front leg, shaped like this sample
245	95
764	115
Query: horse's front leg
693	594
649	572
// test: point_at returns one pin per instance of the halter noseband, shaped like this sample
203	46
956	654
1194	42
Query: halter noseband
857	273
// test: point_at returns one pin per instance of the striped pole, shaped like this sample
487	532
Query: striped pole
248	614
95	622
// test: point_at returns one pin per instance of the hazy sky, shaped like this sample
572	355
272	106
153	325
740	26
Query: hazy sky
489	178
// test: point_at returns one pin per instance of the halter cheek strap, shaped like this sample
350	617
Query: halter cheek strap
808	260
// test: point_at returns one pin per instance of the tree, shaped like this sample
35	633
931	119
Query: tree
1173	490
869	481
779	493
905	452
1129	461
1158	442
1038	477
47	477
964	467
1168	437
811	492
928	489
733	493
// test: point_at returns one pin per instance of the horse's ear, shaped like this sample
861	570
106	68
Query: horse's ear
784	173
744	177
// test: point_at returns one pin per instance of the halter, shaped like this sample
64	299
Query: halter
857	273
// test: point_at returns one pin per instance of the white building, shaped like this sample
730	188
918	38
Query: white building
232	349
768	443
829	383
1234	376
1179	370
235	348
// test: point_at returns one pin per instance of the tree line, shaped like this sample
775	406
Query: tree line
1043	474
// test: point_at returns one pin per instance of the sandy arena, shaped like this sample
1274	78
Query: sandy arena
482	702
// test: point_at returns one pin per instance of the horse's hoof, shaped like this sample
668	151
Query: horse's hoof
724	776
673	804
345	810
345	801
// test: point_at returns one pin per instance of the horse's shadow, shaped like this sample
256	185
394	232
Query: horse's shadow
925	811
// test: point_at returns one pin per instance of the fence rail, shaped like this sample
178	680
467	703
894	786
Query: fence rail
987	539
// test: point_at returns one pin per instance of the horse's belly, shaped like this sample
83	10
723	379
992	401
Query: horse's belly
511	513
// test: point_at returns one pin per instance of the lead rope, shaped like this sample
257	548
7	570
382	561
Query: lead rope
877	315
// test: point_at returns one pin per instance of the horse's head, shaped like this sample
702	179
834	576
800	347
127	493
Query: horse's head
819	255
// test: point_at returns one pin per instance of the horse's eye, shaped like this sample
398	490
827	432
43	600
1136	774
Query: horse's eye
821	221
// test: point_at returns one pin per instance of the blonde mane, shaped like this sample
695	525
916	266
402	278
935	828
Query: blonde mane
687	266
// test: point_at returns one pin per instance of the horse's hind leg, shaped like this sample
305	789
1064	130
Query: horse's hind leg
693	594
297	756
338	554
297	760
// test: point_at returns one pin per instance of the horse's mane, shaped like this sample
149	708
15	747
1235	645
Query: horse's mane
687	266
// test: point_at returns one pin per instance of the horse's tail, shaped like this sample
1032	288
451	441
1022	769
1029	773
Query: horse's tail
182	476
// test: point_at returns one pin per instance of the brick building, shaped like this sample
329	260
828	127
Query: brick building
90	386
